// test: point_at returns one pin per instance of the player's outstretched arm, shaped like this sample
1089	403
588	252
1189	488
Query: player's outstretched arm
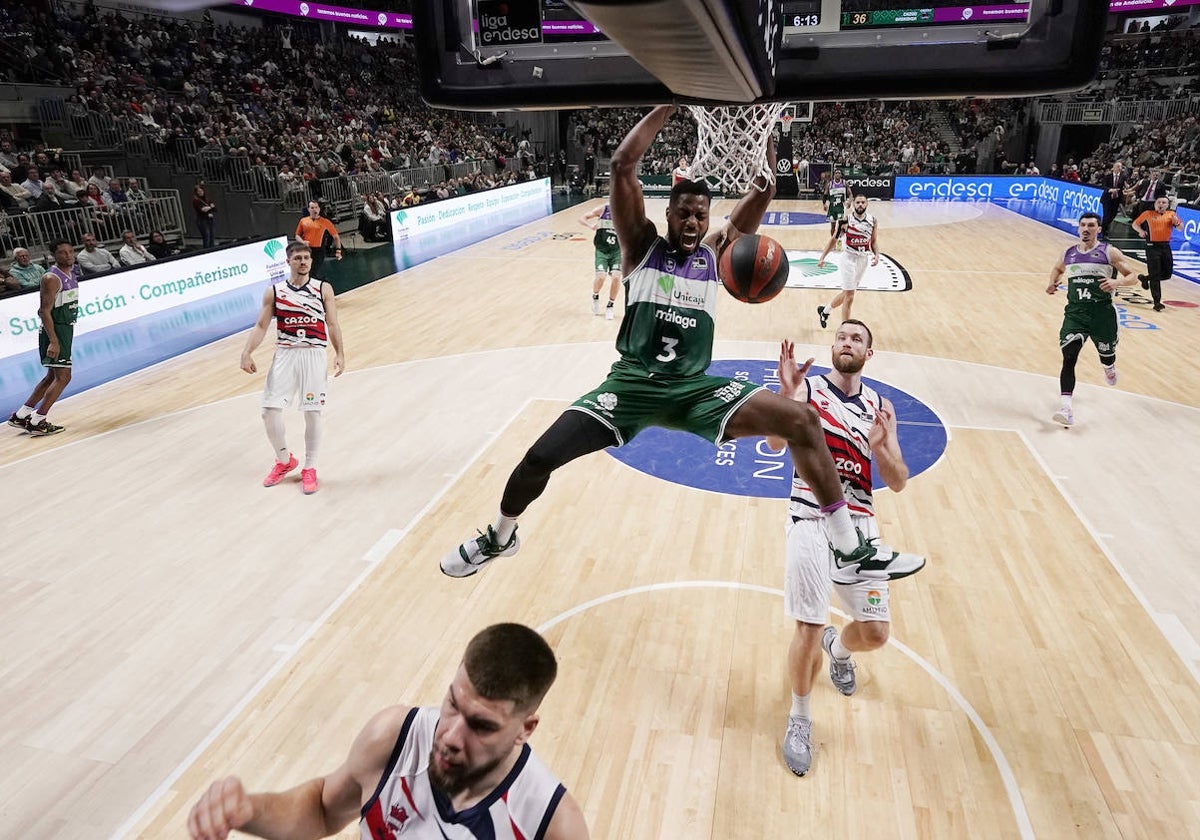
635	232
791	382
747	215
588	219
317	808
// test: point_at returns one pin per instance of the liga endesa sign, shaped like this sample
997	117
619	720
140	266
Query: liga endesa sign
1072	197
873	186
137	292
518	201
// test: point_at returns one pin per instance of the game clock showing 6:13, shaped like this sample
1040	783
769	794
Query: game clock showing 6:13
798	14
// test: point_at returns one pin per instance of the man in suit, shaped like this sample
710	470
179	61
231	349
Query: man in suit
1147	191
1114	184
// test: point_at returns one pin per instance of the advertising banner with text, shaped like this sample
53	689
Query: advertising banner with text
126	295
426	231
1072	198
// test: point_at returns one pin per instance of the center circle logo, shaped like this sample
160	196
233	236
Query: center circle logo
747	466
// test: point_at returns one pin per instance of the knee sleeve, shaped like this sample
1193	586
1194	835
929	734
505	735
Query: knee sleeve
1070	354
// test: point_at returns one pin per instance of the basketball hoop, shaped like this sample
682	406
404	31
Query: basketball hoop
731	145
787	119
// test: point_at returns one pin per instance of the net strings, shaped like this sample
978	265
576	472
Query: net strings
731	146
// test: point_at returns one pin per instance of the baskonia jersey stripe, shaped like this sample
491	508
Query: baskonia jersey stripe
300	314
1086	270
670	304
405	806
859	231
846	421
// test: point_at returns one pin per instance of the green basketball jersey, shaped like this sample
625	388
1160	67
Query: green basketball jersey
837	199
1085	271
670	303
605	240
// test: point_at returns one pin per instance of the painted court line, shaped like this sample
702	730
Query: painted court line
1024	825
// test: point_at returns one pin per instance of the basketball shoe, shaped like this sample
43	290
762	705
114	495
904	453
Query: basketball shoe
874	561
823	315
280	470
308	481
42	429
1110	374
477	552
797	744
1064	416
16	422
609	312
841	671
595	306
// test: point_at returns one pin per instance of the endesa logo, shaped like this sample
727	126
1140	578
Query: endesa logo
1073	197
965	188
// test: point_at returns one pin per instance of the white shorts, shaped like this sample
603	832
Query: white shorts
807	587
854	266
297	374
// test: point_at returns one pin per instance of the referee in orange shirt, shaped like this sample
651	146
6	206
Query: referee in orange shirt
312	229
1159	262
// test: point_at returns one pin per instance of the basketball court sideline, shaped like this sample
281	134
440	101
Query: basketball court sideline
187	623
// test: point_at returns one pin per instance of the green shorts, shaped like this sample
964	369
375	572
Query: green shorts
608	262
1099	323
65	333
630	400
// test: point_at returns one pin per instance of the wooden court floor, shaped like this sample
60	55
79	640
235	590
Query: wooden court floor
167	620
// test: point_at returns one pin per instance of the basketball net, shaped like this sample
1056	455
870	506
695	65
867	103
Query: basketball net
787	120
731	145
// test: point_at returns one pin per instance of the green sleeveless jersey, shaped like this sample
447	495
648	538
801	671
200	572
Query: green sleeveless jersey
670	303
837	199
1086	270
605	240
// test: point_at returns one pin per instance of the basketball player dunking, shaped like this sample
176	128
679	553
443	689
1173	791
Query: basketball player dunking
862	249
665	343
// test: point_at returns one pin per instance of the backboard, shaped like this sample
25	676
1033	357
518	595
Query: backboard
529	54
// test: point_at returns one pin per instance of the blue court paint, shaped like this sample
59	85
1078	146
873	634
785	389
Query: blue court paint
747	467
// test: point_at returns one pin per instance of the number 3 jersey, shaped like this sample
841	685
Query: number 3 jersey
670	303
300	314
846	422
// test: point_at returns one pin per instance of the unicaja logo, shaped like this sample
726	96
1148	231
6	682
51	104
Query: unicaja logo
272	248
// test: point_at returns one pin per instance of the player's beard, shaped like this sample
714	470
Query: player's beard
848	364
456	779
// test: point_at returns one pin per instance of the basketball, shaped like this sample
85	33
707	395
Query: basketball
754	268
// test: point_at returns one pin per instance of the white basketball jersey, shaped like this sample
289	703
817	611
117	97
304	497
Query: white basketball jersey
846	422
859	232
406	807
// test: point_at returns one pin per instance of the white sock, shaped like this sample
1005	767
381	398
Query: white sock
799	706
273	420
504	527
37	418
1066	400
840	651
23	412
840	528
312	438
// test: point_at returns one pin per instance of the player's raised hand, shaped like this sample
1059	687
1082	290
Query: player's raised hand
223	807
884	427
791	376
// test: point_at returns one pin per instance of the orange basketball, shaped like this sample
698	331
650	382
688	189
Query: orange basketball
754	268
